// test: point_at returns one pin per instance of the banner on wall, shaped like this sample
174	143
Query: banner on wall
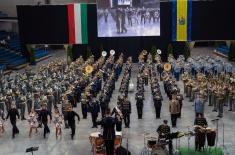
77	23
181	20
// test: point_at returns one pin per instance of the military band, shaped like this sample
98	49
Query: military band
91	84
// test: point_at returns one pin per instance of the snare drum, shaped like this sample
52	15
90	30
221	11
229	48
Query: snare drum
151	142
96	141
118	139
93	137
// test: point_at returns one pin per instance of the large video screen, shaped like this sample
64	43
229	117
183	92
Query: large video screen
128	18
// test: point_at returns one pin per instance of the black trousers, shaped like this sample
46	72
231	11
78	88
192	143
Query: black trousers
103	111
146	81
73	128
94	118
15	130
170	147
174	119
140	111
109	144
119	125
127	120
46	128
158	110
84	112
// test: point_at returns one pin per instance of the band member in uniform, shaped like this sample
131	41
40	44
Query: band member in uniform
126	111
174	109
231	98
29	102
2	102
51	100
108	123
84	106
103	104
180	98
2	119
163	131
199	105
157	100
118	116
22	105
71	120
95	109
139	103
12	113
220	100
145	75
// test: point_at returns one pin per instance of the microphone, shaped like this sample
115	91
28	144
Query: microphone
215	119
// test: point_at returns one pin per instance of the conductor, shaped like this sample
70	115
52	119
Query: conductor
108	123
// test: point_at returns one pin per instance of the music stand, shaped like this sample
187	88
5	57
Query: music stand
31	149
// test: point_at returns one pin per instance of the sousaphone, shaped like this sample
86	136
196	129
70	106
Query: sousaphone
88	69
104	53
159	52
112	52
144	52
167	67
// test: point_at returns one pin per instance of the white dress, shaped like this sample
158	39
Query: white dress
33	120
58	120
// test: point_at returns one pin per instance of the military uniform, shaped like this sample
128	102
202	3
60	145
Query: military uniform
157	100
51	101
84	106
22	105
163	132
220	101
103	104
126	111
180	98
231	99
210	95
118	117
2	103
139	104
174	109
95	109
9	100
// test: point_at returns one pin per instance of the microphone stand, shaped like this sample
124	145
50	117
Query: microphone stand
188	139
224	147
217	129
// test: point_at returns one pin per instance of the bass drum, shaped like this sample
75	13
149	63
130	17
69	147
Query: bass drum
158	151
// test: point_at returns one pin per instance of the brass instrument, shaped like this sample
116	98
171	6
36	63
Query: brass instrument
167	67
144	52
119	113
88	69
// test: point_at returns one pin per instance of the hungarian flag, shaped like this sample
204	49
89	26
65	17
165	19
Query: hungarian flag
77	23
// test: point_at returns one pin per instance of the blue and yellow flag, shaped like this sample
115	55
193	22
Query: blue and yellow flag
181	20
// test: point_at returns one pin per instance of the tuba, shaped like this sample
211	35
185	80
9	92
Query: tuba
88	69
167	67
144	52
